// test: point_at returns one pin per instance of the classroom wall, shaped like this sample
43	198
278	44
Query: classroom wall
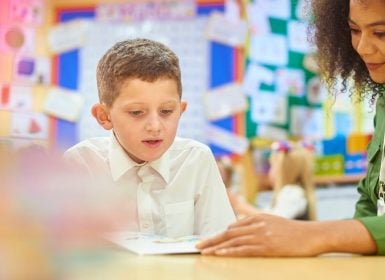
241	94
64	68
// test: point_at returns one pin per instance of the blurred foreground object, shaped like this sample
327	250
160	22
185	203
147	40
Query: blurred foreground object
48	212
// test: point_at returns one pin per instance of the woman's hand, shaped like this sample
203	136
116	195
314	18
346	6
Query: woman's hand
264	235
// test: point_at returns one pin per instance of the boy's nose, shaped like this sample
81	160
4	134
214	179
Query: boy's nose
153	124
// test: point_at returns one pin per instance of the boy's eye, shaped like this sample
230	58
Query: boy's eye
166	111
135	113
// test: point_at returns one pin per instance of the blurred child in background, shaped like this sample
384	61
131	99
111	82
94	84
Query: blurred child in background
291	177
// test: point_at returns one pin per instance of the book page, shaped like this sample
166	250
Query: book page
147	244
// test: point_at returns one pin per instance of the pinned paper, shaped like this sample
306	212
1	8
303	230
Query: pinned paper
278	8
255	75
4	97
221	29
297	33
269	108
29	125
224	101
17	39
258	19
68	36
32	70
290	81
64	104
270	49
16	98
27	11
226	139
306	122
316	91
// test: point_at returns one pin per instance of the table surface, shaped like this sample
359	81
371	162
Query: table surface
124	265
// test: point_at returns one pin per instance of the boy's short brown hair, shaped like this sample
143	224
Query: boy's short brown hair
143	59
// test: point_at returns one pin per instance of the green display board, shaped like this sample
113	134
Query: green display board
280	25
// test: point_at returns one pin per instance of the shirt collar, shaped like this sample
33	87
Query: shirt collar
162	166
120	162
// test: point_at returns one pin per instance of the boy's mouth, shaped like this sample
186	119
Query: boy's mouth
153	143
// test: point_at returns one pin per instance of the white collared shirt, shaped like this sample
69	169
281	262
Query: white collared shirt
180	194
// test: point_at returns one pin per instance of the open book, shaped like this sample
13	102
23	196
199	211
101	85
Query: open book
147	244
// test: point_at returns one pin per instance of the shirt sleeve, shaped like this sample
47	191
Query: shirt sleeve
213	212
366	206
376	227
366	214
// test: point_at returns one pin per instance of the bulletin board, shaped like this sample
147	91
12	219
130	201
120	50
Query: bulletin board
286	101
223	64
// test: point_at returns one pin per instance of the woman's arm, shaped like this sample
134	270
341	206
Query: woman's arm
272	236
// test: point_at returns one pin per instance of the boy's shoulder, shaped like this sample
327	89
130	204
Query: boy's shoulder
187	144
97	145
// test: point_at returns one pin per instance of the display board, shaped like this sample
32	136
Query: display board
285	93
204	64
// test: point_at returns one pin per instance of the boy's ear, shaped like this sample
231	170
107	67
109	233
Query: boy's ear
183	106
100	113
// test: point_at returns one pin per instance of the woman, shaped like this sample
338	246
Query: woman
350	36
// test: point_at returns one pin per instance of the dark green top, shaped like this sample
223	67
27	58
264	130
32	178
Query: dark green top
366	206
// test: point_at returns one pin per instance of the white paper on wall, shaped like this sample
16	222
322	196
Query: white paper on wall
225	31
224	101
297	36
258	20
17	38
268	107
32	70
64	104
270	49
316	91
16	98
29	125
226	139
307	122
69	35
278	8
290	81
27	11
254	76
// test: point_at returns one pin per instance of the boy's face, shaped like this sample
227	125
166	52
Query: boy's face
145	116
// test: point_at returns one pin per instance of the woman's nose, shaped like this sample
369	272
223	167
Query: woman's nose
365	45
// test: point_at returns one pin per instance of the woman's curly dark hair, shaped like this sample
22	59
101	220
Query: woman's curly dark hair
336	56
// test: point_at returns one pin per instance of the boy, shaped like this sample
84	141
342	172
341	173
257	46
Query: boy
174	184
